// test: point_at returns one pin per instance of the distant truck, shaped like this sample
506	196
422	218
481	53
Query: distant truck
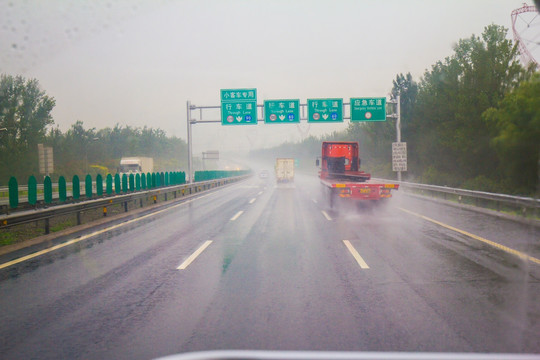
136	165
341	176
284	170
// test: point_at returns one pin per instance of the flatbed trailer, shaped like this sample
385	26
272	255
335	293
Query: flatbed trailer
341	178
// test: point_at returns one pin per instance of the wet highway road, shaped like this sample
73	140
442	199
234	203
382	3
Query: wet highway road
255	266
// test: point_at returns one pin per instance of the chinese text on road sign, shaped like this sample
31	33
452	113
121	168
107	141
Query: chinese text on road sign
281	111
239	107
399	156
368	109
325	110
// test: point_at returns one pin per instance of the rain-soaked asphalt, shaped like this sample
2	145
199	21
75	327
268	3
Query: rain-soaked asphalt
278	274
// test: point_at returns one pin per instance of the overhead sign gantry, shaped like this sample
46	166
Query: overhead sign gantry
239	107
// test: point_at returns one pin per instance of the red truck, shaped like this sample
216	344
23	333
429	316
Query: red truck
341	176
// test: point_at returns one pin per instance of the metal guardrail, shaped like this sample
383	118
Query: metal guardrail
23	189
46	214
525	205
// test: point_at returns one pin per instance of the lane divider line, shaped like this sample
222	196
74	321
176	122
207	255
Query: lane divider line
315	201
260	193
252	200
193	256
237	215
355	254
95	233
519	254
326	215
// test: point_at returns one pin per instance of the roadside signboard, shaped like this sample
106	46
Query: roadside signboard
325	110
368	109
238	106
46	159
399	156
282	111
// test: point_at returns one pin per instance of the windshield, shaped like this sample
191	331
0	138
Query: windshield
347	176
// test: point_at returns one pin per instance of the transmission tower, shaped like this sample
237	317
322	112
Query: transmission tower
526	29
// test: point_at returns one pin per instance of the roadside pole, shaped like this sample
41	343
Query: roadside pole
189	154
398	128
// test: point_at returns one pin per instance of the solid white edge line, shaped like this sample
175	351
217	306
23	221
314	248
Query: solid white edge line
237	215
252	200
95	233
356	255
193	256
260	193
326	215
315	201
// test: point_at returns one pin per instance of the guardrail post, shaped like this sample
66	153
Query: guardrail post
47	226
155	199
104	211
143	181
125	206
165	196
13	193
99	185
124	183
88	186
131	182
76	190
32	190
140	202
117	184
109	184
62	189
78	218
47	190
138	182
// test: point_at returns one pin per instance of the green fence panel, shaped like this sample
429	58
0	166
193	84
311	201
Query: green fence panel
62	189
143	180
109	184
76	187
32	190
124	183
131	184
138	182
88	186
47	190
99	185
154	183
167	180
117	185
148	181
162	178
13	193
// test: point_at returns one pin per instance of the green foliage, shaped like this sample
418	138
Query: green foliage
83	151
516	125
25	114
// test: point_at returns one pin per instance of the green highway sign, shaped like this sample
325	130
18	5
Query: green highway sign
325	110
281	111
368	109
238	106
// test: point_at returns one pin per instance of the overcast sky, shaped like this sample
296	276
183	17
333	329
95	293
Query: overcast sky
138	62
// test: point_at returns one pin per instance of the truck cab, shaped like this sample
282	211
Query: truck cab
340	160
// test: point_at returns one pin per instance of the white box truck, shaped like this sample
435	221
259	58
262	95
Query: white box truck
136	165
284	170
